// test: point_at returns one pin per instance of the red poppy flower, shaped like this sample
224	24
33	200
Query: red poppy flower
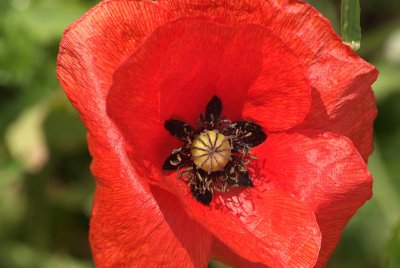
139	71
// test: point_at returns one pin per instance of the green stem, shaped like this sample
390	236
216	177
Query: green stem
350	23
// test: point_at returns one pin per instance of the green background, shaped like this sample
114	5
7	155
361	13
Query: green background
45	183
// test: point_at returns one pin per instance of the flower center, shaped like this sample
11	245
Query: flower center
211	151
215	152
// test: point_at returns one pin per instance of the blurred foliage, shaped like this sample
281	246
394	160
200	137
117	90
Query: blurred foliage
45	183
392	256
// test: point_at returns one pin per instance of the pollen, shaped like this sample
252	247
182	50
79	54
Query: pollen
211	151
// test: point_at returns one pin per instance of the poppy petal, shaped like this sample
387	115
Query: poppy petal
273	229
343	101
93	47
135	106
280	218
177	81
212	59
87	59
223	253
325	172
344	105
312	38
130	220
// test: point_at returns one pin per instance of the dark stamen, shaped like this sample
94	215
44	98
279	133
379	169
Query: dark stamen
178	128
213	110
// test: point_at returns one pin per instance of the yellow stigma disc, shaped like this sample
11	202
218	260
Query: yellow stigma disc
211	151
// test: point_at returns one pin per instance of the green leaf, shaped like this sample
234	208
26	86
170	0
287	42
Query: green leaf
350	23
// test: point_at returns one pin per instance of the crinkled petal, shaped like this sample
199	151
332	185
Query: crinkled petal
342	104
183	64
135	225
343	101
272	229
127	221
226	255
95	45
231	12
269	228
277	229
134	101
340	79
248	67
325	172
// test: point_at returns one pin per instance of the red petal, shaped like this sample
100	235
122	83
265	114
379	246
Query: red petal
224	254
245	66
344	103
93	47
184	63
341	80
325	172
127	223
134	100
269	228
133	225
231	12
276	230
